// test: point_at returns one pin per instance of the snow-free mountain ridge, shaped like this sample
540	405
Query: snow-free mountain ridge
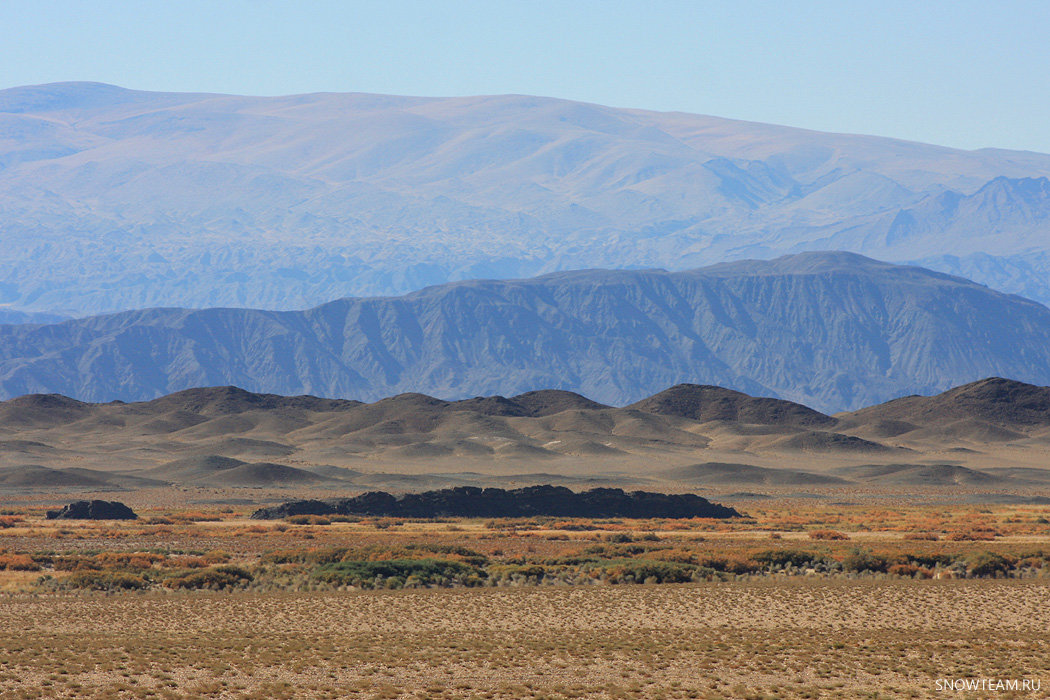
832	331
116	199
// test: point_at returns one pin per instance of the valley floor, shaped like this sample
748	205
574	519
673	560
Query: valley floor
799	599
744	639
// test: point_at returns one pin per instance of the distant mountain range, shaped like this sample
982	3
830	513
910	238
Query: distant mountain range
114	199
833	331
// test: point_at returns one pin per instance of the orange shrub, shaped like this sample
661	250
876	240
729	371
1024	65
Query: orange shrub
827	535
930	536
973	536
308	520
908	570
18	562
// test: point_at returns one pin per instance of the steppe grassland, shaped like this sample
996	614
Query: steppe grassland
794	633
756	639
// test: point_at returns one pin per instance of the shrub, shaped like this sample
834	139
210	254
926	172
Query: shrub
362	573
973	536
196	517
526	571
9	521
17	562
215	578
862	560
216	556
468	555
987	564
928	536
731	565
827	535
307	520
908	570
574	525
783	557
126	560
104	581
651	572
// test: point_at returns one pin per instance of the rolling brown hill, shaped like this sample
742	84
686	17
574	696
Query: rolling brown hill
710	403
1001	408
690	436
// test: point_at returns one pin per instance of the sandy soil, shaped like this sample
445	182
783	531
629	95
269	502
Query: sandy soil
783	638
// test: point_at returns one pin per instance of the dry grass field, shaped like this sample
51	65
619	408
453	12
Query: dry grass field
755	639
798	599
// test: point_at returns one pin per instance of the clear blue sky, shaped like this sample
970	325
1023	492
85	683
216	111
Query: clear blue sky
959	73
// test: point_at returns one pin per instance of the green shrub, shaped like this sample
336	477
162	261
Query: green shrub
468	555
104	581
362	573
510	571
640	571
987	564
783	557
215	578
863	560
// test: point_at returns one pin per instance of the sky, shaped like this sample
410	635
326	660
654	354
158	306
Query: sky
961	73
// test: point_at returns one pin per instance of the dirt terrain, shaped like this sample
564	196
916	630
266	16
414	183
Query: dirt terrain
799	598
789	639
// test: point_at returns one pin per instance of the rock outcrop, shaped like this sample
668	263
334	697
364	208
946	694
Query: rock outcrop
471	502
93	510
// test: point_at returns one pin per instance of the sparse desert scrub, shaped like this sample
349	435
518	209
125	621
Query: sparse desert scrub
827	535
975	535
7	521
100	581
528	608
867	638
10	561
522	552
928	536
215	578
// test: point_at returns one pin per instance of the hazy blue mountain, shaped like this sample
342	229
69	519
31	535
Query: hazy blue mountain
830	330
115	199
15	316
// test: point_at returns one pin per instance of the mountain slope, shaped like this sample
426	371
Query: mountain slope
831	330
116	199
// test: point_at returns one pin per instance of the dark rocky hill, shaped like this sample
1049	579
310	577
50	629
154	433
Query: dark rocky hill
472	502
